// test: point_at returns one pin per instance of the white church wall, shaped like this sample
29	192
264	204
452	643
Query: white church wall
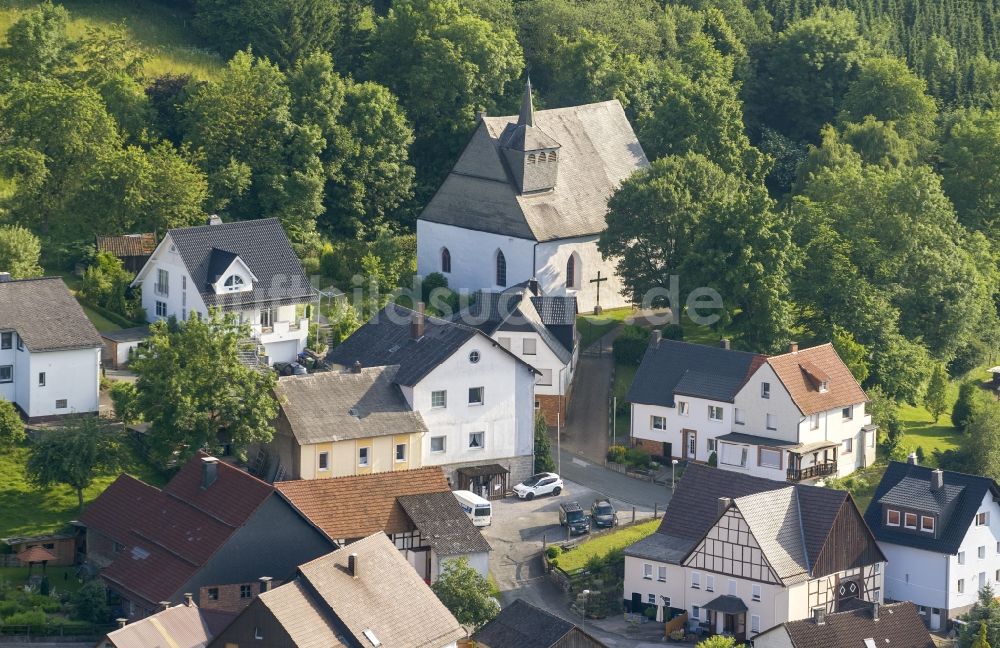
473	256
551	258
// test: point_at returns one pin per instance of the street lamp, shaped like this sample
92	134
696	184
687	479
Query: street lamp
585	594
673	475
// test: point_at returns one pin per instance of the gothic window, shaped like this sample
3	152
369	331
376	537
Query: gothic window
531	158
501	269
552	156
571	272
445	260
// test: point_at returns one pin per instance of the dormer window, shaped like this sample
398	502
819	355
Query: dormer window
823	386
910	520
234	283
531	158
927	524
892	518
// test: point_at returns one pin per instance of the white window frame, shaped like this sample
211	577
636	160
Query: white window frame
755	623
888	516
161	308
323	461
961	586
6	340
405	452
682	408
739	416
961	557
364	456
661	573
847	446
710	445
647	571
41	378
441	394
814	421
545	379
713	410
847	413
709	583
653	420
525	346
983	518
906	524
765	390
9	370
695	580
755	592
482	440
444	444
981	552
761	451
929	528
770	421
482	396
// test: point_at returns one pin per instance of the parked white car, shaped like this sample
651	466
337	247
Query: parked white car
540	484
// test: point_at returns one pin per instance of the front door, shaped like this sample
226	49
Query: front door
637	605
690	444
667	451
935	618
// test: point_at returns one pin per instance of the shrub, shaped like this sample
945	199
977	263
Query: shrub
91	602
28	617
553	552
616	453
968	393
637	457
673	332
677	635
11	427
44	588
713	460
967	357
650	612
630	345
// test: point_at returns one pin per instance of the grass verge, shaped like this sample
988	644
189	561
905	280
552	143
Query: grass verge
593	327
600	546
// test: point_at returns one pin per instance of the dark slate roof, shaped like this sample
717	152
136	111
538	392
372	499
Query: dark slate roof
45	315
598	150
385	339
218	262
134	334
556	310
512	310
522	625
443	524
726	604
693	370
753	439
908	486
898	626
693	510
262	246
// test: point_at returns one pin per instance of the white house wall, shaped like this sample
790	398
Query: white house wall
508	405
550	269
182	294
473	254
71	375
543	358
915	575
756	409
696	419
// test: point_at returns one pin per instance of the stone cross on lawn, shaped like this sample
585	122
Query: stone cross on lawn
598	280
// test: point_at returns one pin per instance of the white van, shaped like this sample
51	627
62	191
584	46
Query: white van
477	508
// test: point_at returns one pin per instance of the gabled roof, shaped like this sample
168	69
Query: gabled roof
598	150
556	310
442	523
898	626
170	534
359	505
795	522
522	625
908	486
386	339
385	598
260	244
128	245
180	626
45	315
512	310
802	371
302	615
340	405
693	370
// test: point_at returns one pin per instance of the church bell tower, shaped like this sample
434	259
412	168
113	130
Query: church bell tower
532	157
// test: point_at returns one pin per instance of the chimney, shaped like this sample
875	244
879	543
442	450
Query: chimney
819	616
480	116
4	277
417	322
189	599
937	480
655	337
793	347
209	471
356	367
122	622
353	566
214	219
912	459
724	343
164	605
875	611
265	584
533	286
724	503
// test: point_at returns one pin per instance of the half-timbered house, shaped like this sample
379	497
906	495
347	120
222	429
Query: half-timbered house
738	554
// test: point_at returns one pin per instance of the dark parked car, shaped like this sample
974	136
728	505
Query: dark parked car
290	369
571	515
603	514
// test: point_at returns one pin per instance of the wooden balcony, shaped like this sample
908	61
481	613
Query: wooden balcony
812	472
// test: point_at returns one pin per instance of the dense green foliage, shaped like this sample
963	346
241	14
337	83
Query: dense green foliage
466	593
543	446
11	426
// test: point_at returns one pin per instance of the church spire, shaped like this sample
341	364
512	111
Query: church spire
527	114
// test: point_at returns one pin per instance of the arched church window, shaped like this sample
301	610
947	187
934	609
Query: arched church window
552	156
501	269
571	271
445	260
531	158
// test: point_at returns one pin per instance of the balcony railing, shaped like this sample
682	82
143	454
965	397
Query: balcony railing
811	472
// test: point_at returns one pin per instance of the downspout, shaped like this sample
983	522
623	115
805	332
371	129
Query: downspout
947	588
534	261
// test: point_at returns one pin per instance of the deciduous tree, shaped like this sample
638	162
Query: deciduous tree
11	426
936	395
466	593
543	447
19	252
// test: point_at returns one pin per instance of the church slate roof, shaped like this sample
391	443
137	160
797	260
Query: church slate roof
908	486
598	150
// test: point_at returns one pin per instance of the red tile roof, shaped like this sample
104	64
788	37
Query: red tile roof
170	534
353	507
801	371
127	245
35	554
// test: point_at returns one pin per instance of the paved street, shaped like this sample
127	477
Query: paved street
519	527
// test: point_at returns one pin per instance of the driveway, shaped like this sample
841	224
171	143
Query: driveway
518	529
586	430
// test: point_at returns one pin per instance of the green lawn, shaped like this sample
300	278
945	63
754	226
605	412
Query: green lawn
62	579
601	545
165	33
593	327
25	510
624	374
100	322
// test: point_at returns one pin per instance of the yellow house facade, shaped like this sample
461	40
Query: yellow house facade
342	423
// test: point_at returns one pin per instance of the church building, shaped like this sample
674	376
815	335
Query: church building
527	199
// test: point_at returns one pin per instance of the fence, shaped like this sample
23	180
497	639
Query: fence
74	631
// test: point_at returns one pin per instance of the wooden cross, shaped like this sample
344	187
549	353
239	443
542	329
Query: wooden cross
598	280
